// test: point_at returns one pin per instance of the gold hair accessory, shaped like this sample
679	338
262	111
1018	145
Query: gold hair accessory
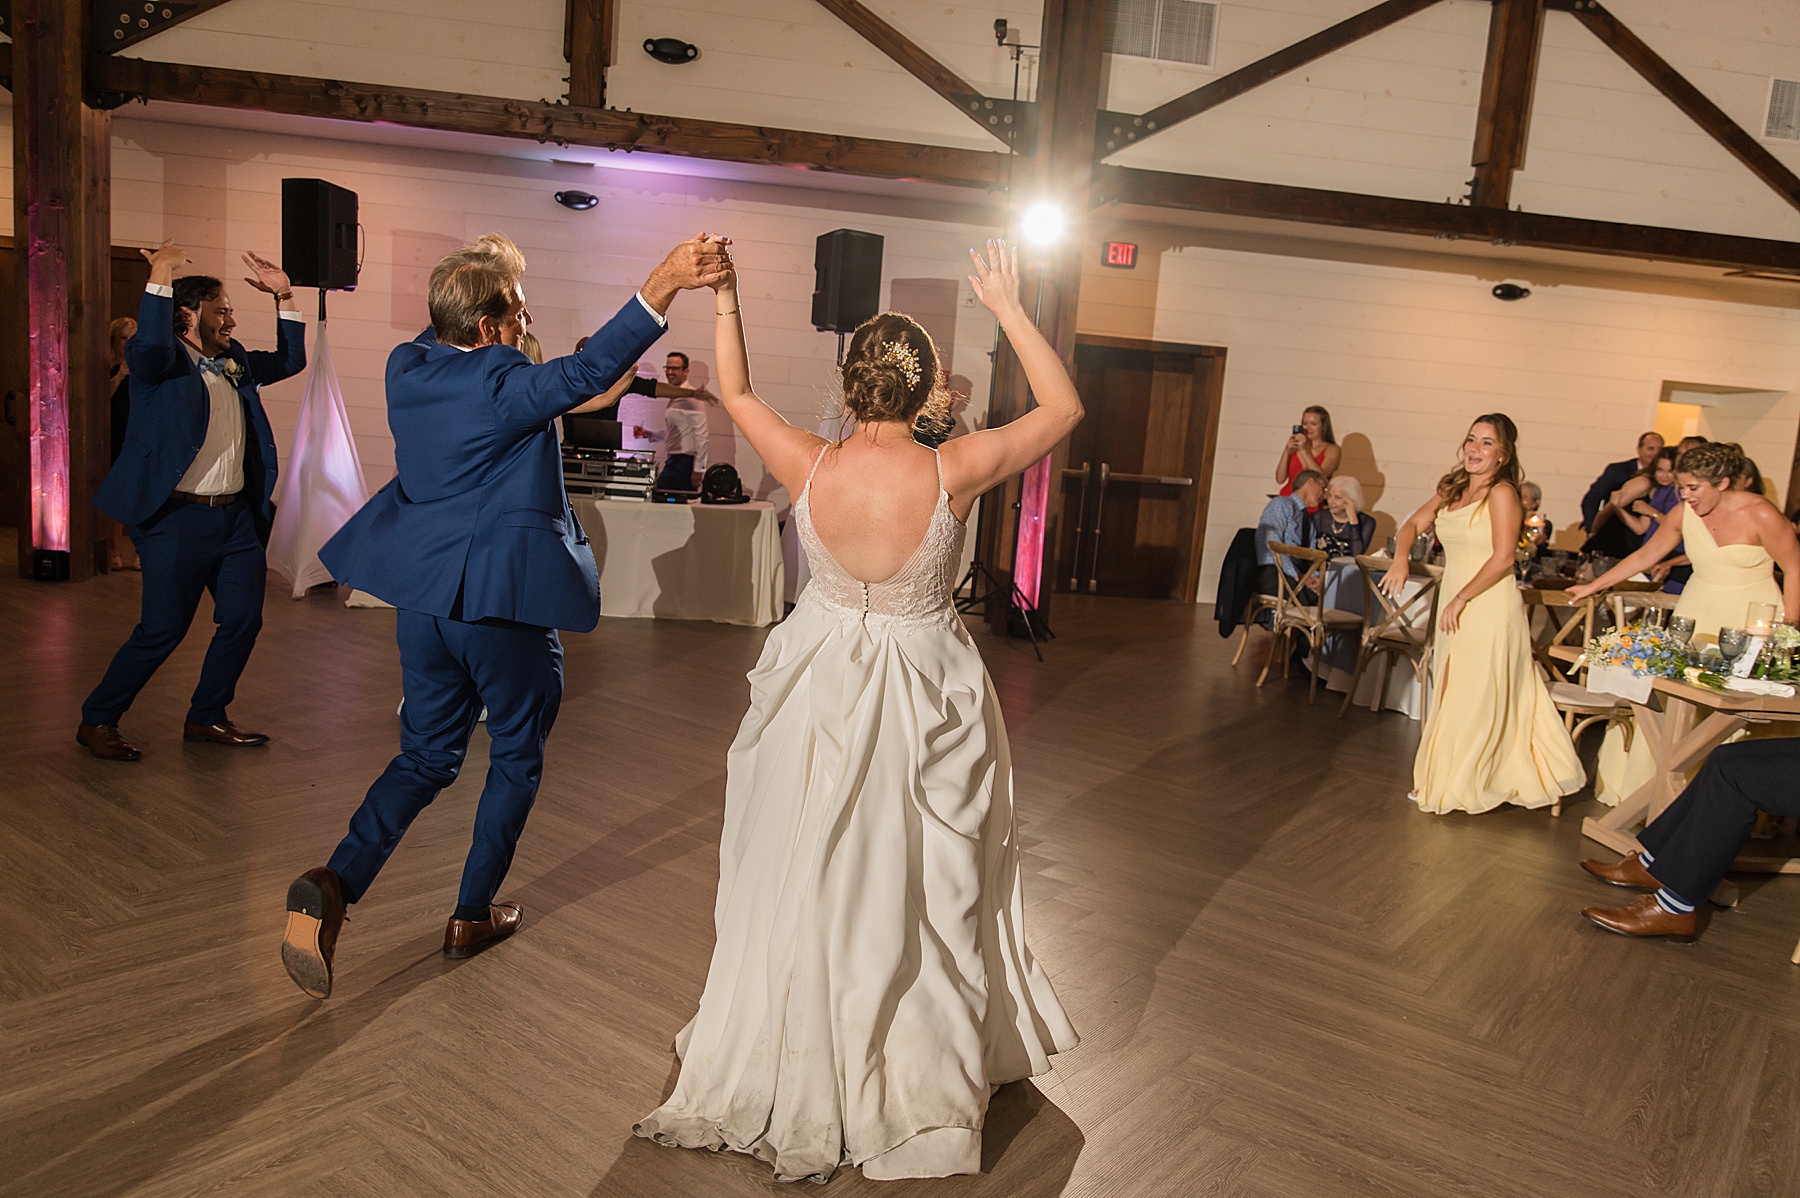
898	353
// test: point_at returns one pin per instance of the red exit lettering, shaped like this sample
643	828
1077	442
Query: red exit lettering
1122	254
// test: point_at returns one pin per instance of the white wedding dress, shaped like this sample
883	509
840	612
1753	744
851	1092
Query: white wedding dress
870	984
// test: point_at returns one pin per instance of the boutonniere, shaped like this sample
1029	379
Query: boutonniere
234	372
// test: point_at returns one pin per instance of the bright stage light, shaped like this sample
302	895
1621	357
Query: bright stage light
1043	223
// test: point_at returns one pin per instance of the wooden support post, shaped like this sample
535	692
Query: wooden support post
589	49
62	188
1515	37
1060	171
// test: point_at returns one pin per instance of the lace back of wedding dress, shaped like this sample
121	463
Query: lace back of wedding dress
918	593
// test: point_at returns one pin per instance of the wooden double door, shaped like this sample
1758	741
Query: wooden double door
1138	470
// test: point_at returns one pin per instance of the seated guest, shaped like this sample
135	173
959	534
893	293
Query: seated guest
1750	479
1537	526
1341	528
1641	503
1690	846
1606	535
1313	447
1284	520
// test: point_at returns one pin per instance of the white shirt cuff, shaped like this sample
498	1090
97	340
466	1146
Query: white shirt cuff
284	314
161	289
658	317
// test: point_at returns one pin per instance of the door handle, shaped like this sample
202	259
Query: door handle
1155	479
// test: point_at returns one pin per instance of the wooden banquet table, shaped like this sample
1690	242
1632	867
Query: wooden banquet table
1680	738
686	561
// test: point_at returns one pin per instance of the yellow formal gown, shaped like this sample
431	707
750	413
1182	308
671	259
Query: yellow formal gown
1727	580
1492	736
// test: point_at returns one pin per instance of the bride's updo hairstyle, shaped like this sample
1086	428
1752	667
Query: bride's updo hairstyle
891	372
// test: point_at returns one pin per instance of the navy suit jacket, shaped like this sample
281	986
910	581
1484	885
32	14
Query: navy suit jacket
475	524
170	411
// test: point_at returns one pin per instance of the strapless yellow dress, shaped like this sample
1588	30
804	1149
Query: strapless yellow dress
1492	735
1727	580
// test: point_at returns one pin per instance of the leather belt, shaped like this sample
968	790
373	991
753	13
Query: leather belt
206	500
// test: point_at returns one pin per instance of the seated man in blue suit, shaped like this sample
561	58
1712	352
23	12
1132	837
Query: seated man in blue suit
194	484
476	545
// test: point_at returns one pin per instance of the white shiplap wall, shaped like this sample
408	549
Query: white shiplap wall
218	193
1404	359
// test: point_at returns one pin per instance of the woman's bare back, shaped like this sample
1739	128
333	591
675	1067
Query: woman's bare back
872	504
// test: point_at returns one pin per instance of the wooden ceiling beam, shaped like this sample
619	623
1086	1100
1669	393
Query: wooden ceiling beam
1002	118
1657	72
1118	130
121	24
1499	226
544	122
1508	82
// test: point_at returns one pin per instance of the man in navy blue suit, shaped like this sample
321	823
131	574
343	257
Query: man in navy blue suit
194	484
476	545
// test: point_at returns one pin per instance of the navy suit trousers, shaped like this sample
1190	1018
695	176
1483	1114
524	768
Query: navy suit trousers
187	550
450	670
1696	839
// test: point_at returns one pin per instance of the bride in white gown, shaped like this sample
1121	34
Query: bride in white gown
871	984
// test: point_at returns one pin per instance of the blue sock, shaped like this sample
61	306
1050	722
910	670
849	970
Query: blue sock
1673	903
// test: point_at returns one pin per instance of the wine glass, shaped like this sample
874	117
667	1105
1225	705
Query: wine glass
1732	643
1682	629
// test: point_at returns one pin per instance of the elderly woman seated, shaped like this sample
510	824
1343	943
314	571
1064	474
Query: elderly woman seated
1341	528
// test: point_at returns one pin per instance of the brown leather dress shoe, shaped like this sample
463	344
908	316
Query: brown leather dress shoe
464	937
315	904
1645	917
1626	871
223	733
104	741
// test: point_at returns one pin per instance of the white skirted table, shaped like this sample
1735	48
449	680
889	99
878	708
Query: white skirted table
686	561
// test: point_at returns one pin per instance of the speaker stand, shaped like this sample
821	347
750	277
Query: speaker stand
983	584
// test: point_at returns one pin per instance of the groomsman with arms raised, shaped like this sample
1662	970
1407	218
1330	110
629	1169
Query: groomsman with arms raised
476	545
194	483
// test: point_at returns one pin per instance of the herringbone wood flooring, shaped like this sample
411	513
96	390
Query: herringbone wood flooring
1289	982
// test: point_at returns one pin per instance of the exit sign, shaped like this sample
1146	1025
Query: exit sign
1122	254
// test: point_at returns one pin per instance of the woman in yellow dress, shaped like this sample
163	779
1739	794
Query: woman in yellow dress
1734	539
1492	736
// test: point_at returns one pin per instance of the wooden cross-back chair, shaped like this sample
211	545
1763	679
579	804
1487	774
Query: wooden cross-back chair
1627	606
1300	608
1401	629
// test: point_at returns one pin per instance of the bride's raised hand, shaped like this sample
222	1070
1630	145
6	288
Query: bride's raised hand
996	278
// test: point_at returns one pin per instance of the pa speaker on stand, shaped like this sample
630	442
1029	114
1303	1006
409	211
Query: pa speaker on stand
320	246
846	281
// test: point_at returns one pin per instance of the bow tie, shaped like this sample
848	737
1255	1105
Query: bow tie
214	365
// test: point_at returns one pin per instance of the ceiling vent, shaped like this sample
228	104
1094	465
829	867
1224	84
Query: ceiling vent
1170	30
1783	123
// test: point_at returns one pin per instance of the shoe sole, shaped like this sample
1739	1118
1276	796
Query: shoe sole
300	953
1621	885
1677	937
208	740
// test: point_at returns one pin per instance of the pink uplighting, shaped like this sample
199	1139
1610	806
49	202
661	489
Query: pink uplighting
1028	552
47	297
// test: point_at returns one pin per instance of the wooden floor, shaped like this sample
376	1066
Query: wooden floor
1289	982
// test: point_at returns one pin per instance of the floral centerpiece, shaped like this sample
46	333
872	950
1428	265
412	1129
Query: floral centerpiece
1624	661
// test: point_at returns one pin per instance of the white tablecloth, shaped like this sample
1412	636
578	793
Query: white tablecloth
1344	591
686	561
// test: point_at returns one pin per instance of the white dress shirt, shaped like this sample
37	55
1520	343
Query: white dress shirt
218	469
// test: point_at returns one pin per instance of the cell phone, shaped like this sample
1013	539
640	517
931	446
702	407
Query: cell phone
1298	430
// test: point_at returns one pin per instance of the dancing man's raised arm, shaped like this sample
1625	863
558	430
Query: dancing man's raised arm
787	451
976	462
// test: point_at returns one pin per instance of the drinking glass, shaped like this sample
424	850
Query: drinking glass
1760	618
1682	629
1732	643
